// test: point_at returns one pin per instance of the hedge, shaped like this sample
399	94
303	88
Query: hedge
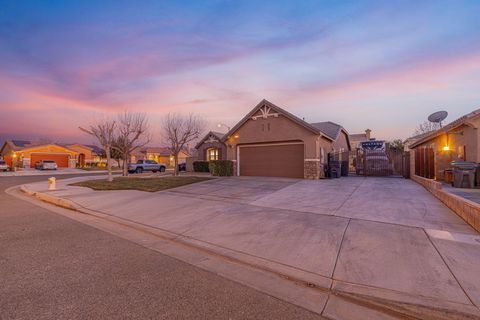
222	168
200	166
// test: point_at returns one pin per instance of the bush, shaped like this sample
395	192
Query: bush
223	168
200	166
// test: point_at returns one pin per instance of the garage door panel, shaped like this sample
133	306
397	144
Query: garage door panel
272	160
60	159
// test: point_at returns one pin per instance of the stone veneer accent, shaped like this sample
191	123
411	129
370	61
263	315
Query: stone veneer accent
466	209
313	169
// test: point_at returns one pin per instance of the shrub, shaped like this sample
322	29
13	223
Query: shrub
223	168
200	166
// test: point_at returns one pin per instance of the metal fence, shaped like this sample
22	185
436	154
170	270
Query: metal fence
390	162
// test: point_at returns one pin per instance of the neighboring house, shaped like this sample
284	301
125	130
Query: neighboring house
356	138
160	155
457	141
22	153
87	154
211	147
269	141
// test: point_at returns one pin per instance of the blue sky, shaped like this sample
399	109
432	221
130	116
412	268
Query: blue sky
364	64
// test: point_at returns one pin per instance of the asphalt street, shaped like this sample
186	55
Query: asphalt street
52	267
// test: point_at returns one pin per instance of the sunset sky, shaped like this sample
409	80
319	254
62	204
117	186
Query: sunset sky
382	65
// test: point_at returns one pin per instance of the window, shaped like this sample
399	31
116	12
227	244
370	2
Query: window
212	154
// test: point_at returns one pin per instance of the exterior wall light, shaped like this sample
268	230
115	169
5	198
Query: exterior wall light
236	136
446	148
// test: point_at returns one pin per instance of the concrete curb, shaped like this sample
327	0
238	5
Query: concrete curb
60	202
397	304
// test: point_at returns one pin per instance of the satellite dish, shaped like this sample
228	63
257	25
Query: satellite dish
438	116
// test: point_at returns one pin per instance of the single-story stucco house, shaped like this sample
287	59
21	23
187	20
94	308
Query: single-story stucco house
269	141
457	141
23	153
158	154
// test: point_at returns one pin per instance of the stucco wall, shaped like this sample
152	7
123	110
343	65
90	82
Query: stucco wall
202	150
464	136
273	129
81	149
341	143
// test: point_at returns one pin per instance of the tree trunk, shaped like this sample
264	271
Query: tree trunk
175	169
125	165
109	164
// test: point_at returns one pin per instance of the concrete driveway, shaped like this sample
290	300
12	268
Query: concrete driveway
378	236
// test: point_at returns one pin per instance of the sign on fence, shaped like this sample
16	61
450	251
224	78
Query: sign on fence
376	145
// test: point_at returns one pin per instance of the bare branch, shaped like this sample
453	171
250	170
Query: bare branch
179	130
104	131
426	127
132	134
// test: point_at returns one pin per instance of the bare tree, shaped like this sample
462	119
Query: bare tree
179	130
104	131
132	134
426	127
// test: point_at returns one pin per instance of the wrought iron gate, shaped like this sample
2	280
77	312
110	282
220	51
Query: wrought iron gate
390	162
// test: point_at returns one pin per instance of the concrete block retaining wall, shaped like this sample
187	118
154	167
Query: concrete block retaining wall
466	209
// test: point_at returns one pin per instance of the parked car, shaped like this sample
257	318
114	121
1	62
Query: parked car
3	166
377	165
46	165
182	167
146	165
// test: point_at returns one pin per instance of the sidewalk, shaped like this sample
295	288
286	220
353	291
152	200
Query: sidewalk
404	250
50	173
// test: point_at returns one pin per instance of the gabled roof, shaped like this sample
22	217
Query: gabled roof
20	143
17	145
163	151
33	146
332	129
358	136
95	149
329	128
218	135
452	125
285	113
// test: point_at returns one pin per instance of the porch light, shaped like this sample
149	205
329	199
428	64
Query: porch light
236	136
14	155
446	148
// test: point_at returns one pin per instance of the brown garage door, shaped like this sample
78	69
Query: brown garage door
284	160
60	159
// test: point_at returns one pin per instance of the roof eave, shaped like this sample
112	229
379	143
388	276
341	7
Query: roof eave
284	112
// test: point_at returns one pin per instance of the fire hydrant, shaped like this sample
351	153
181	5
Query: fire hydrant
51	183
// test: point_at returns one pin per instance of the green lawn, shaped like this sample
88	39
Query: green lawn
142	184
99	168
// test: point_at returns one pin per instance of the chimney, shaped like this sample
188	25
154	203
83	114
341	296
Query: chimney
367	134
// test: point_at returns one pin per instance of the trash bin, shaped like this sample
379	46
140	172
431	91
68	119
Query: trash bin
464	174
335	169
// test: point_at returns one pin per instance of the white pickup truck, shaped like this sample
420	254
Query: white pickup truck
146	165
